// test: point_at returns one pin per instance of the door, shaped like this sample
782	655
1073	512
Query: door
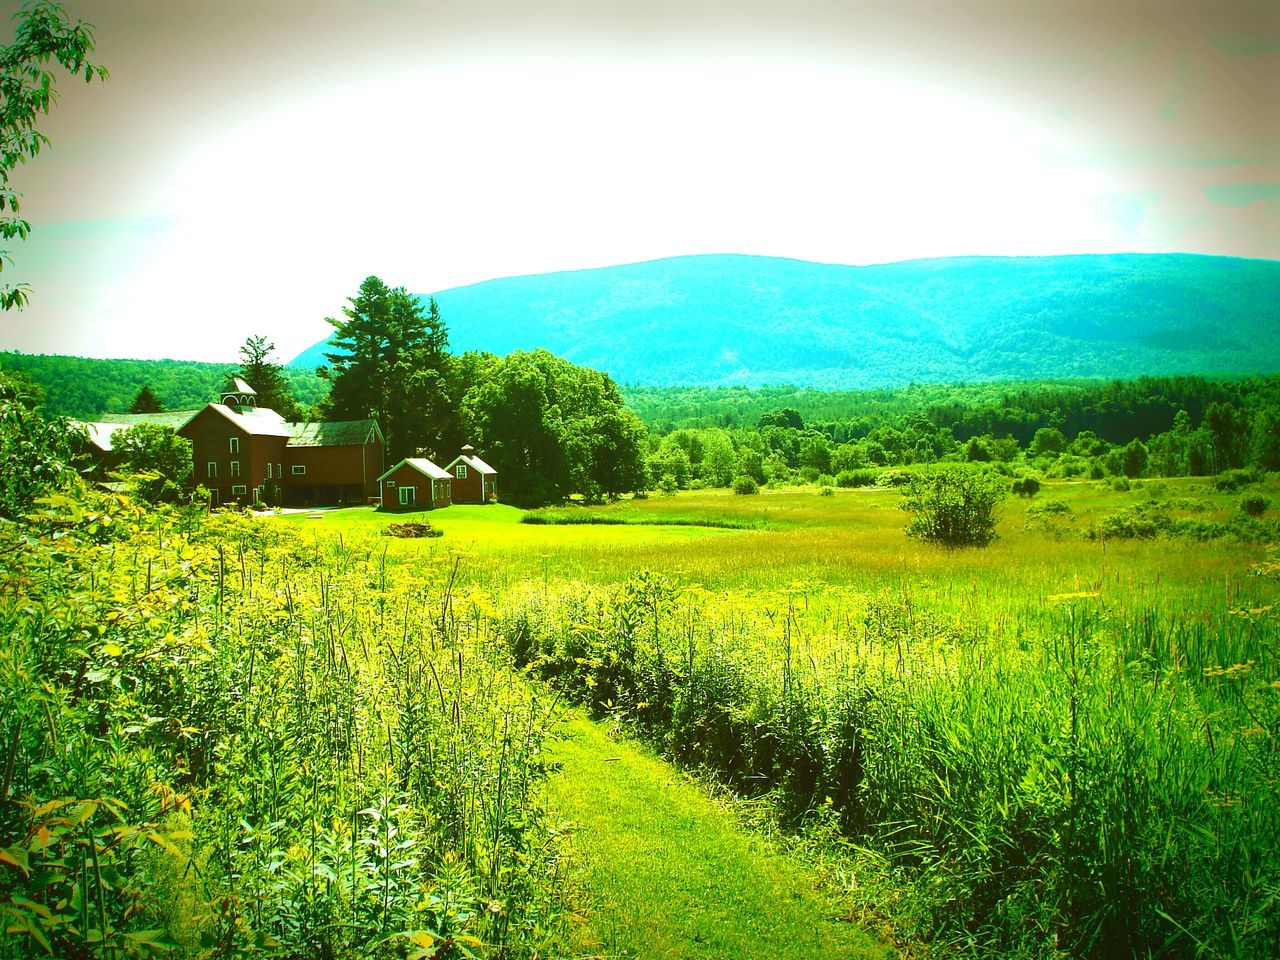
408	496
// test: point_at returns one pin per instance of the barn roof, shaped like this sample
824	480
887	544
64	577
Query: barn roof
237	385
257	421
475	463
100	430
340	433
422	465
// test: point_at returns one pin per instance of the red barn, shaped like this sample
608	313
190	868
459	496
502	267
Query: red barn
474	481
415	483
244	453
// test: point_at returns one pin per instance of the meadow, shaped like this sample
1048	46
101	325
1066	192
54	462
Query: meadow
297	736
1063	743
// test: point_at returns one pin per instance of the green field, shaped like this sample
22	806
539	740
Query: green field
700	725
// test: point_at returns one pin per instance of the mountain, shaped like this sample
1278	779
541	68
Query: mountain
729	319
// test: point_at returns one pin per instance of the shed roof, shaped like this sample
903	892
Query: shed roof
239	386
340	433
475	463
422	465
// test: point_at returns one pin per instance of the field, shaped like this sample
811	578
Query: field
317	739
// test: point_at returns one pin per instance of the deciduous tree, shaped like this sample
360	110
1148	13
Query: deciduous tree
45	35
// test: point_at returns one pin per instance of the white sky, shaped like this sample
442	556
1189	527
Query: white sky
184	207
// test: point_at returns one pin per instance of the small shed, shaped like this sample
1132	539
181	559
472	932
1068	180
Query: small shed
474	481
415	483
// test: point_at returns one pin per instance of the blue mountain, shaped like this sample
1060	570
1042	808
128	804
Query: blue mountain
729	319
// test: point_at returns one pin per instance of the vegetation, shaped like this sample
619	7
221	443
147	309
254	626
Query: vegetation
43	33
146	401
155	460
953	506
267	378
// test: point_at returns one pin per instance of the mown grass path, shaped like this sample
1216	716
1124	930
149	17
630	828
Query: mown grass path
667	875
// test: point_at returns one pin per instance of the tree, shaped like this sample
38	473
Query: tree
953	506
44	34
145	401
36	456
553	429
390	363
267	377
155	460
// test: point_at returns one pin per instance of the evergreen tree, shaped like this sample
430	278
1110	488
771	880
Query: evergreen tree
390	363
267	378
145	401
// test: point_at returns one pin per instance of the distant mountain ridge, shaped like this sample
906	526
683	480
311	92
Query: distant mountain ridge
727	319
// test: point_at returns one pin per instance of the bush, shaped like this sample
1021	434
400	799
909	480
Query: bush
411	530
826	492
1026	487
1120	484
855	478
745	485
1229	481
953	506
667	485
1254	505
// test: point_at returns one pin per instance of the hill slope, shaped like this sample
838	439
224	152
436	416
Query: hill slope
728	319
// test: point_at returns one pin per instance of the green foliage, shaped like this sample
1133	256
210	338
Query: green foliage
1254	504
145	401
155	460
43	33
221	738
1025	486
84	388
856	478
552	429
267	378
953	506
36	457
745	485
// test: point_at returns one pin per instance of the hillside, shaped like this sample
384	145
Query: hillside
728	319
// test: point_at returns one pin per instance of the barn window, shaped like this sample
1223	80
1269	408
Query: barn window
460	471
239	489
299	469
234	445
408	496
235	468
213	469
268	471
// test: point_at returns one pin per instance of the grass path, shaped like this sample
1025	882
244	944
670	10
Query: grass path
668	875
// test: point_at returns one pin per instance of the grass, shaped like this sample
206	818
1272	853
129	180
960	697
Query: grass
667	874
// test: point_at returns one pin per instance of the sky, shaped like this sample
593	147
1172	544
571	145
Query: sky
249	162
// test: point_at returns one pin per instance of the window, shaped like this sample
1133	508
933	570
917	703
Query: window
408	496
268	471
460	471
235	468
234	445
279	471
239	489
213	469
299	469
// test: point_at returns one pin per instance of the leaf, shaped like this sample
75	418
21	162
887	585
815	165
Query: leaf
16	856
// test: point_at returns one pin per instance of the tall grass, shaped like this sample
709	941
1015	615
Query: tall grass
218	739
1080	776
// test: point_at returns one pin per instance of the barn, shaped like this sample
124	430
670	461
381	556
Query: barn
415	483
474	481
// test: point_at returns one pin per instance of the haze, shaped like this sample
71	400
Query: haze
243	169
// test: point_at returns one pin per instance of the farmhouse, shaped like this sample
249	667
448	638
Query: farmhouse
415	483
474	481
244	453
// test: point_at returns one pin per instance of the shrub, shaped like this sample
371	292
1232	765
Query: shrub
1254	505
1120	484
667	485
855	478
745	485
412	530
893	478
1229	481
953	506
826	492
1025	487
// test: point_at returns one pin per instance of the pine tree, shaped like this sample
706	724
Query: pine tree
390	362
267	378
146	401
